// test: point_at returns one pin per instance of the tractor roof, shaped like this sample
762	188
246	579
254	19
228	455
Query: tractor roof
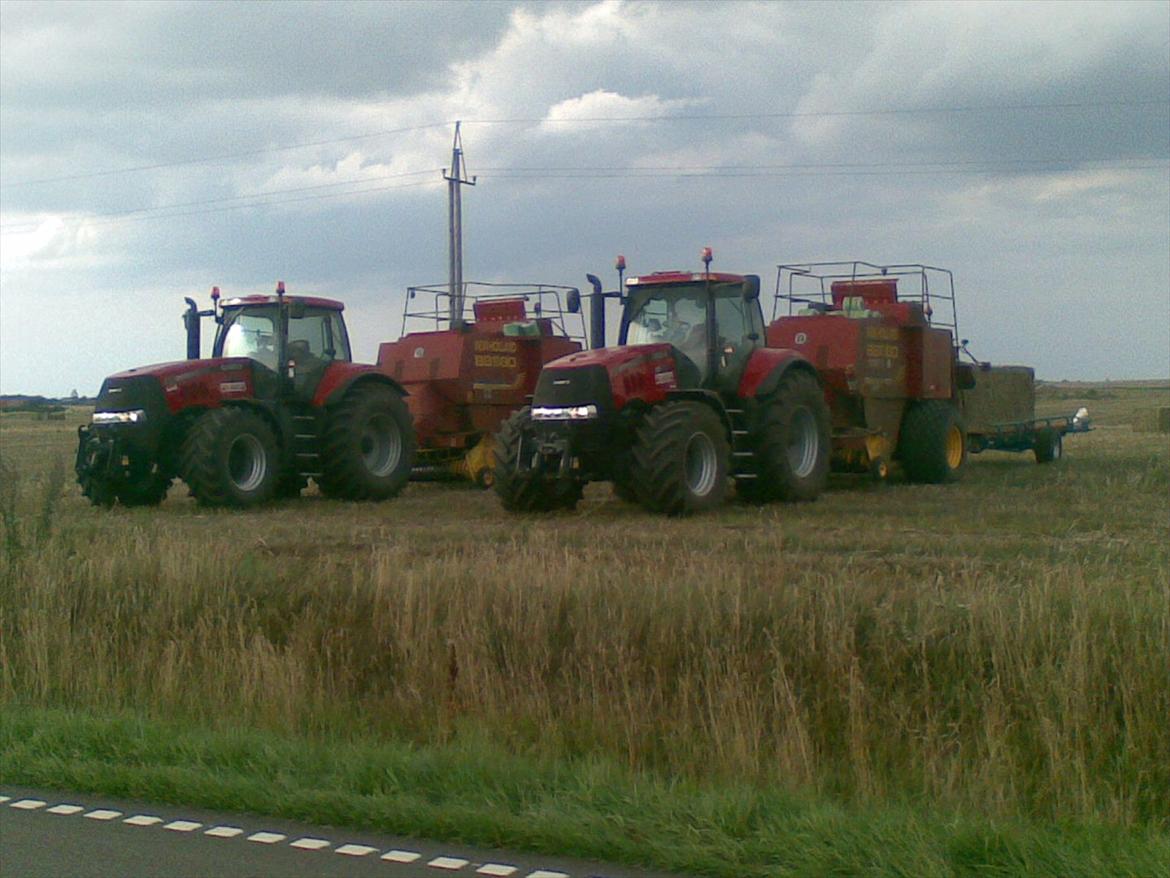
662	278
310	301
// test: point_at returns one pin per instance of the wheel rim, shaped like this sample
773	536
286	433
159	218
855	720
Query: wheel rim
381	445
803	443
954	447
247	462
702	465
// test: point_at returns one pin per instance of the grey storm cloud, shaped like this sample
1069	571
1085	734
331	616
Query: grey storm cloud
1026	146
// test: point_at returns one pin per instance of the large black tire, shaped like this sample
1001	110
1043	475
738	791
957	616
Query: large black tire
522	489
791	443
230	458
680	459
150	490
933	442
369	444
1048	446
93	461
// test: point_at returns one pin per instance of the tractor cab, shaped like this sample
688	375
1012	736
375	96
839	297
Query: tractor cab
296	337
713	320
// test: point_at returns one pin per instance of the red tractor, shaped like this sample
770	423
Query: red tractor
689	400
468	362
278	402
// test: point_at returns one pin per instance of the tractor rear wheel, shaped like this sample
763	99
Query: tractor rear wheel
791	443
368	448
933	442
1048	446
680	459
230	458
519	487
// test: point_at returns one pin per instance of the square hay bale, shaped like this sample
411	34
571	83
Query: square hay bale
1152	420
1001	395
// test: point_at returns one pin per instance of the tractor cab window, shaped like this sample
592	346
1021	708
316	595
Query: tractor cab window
250	333
317	338
676	315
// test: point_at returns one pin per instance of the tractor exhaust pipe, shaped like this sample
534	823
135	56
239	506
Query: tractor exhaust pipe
191	322
596	314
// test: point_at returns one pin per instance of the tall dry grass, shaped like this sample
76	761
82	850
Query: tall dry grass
1003	645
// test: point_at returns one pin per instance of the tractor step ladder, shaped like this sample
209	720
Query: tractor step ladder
743	458
306	445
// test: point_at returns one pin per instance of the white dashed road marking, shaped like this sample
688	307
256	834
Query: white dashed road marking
142	820
355	850
451	864
224	831
65	809
104	814
310	844
306	843
266	837
401	856
183	825
28	804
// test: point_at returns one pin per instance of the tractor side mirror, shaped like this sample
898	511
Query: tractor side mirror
573	302
751	287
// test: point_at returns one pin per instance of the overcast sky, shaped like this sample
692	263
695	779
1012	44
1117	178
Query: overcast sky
1024	146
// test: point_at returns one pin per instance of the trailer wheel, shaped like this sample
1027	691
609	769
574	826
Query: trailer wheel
368	446
680	459
933	442
792	443
1048	446
229	458
520	487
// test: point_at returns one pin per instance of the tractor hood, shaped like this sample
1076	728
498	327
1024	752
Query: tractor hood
615	357
181	370
611	378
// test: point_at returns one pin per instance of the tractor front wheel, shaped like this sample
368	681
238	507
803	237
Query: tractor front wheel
791	443
230	458
520	487
680	459
368	447
149	490
933	442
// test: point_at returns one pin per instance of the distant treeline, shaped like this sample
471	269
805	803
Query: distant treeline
21	403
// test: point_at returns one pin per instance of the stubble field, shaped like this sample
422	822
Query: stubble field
896	679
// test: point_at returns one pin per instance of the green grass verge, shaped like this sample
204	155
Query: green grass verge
471	791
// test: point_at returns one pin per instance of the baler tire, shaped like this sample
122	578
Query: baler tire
524	490
681	459
791	443
368	447
219	443
932	446
1048	446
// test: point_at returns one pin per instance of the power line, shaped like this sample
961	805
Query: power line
225	156
662	117
226	198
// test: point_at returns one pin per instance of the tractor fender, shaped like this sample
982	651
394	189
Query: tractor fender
767	366
708	398
337	382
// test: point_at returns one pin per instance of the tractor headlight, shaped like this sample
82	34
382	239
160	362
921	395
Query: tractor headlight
564	413
135	417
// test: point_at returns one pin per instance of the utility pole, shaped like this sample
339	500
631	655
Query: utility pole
456	179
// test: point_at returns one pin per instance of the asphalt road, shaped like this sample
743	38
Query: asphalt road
47	833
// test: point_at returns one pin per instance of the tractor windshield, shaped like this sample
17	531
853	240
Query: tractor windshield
250	332
676	314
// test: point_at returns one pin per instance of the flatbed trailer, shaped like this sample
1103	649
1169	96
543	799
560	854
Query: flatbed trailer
1042	436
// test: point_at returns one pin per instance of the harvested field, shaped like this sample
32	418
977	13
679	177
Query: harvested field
998	648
